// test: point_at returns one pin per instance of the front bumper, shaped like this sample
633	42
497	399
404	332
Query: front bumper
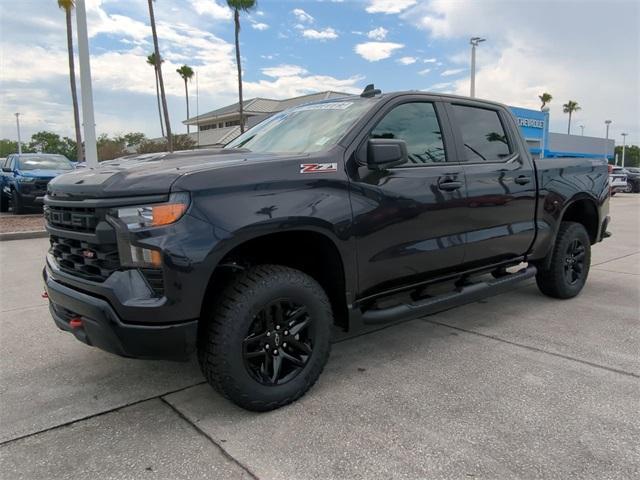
97	324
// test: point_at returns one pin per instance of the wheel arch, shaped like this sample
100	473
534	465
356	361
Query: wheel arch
582	209
308	249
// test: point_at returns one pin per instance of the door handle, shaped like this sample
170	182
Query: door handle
449	185
522	179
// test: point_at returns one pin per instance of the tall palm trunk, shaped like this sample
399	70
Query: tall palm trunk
155	69
236	19
569	127
159	63
186	92
74	93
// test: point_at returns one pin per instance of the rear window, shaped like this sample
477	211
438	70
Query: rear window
483	135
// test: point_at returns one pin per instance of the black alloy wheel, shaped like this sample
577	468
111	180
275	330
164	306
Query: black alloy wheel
279	342
574	262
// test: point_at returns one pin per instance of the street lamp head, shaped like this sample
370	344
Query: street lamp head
476	40
608	122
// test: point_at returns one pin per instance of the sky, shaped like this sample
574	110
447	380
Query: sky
587	51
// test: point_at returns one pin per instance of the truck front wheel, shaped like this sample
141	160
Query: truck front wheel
568	267
268	338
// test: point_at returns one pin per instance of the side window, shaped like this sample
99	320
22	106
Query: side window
416	124
483	135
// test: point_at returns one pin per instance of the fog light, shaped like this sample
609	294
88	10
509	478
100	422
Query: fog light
145	257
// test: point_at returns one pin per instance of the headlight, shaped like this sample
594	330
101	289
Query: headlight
26	179
131	219
143	216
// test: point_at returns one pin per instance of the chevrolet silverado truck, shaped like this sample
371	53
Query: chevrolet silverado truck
326	219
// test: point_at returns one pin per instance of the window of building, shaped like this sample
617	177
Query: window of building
417	124
232	123
483	135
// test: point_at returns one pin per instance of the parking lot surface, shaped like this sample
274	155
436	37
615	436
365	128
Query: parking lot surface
515	386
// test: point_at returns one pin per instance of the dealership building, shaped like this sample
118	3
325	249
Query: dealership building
218	127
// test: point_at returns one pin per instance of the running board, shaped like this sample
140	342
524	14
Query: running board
464	295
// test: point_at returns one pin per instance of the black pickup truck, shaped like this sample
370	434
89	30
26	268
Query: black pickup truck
323	220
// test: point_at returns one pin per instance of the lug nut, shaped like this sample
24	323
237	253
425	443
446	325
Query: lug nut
286	332
268	334
277	327
275	352
266	347
284	344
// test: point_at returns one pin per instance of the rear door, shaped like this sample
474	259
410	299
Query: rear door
409	220
500	183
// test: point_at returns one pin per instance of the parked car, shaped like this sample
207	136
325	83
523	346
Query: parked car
617	179
25	177
328	218
633	180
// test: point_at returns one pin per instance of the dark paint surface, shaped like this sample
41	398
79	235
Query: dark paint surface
391	227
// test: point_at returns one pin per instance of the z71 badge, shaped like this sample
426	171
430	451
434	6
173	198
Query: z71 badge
318	167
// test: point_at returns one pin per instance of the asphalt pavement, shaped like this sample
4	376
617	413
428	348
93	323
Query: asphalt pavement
515	386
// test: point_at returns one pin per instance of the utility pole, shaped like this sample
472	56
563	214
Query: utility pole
86	93
624	146
19	140
582	130
474	41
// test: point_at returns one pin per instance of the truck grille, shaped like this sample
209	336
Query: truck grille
88	260
78	219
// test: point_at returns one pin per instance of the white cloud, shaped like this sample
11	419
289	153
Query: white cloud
568	63
430	60
407	60
452	71
445	87
325	34
284	71
424	72
212	9
379	33
389	6
302	16
375	51
259	26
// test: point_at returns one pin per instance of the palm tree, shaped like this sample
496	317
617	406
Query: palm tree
545	98
237	6
186	72
156	50
67	6
151	60
569	108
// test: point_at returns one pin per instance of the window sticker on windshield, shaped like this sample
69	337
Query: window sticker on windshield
325	106
318	167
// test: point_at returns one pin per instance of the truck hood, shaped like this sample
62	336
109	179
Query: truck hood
148	174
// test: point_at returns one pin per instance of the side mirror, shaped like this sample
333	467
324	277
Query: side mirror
386	153
6	169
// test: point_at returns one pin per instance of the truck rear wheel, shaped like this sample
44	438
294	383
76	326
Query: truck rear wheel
268	338
569	265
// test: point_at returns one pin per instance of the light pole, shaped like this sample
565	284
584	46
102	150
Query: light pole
474	41
582	130
18	126
88	120
606	144
624	145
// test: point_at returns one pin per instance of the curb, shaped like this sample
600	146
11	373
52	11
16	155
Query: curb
5	237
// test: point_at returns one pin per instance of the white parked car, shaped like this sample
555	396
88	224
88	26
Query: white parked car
617	179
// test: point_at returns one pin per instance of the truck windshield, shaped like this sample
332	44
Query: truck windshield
44	162
304	129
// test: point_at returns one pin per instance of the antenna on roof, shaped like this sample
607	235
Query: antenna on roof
370	91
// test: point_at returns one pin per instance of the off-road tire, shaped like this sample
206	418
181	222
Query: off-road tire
552	280
220	346
17	205
4	203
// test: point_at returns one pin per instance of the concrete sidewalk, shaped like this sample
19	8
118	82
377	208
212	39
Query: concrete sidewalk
516	386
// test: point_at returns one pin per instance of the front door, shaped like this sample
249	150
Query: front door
409	220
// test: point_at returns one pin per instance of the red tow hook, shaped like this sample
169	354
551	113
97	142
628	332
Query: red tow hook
44	295
75	322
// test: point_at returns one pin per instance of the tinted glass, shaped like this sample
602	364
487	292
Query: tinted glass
416	124
307	128
483	136
44	162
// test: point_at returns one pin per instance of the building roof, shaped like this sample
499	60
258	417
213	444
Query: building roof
262	106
